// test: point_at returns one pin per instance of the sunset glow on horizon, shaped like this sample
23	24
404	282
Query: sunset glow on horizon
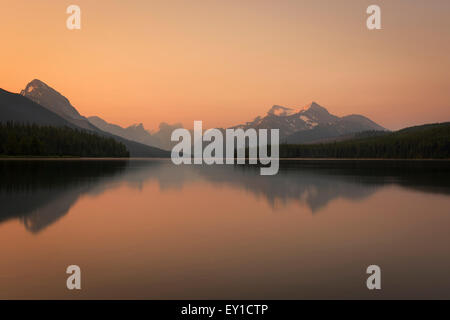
226	62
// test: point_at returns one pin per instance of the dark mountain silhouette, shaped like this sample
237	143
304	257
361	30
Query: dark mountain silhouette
49	98
14	107
18	108
54	101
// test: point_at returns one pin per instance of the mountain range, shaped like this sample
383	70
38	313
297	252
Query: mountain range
137	132
41	104
310	124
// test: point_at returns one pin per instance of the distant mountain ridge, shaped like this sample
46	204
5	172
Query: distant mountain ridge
42	105
137	132
310	124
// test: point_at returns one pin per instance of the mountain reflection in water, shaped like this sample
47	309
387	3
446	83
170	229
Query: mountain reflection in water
40	192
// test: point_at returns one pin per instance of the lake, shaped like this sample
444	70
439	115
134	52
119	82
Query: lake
147	229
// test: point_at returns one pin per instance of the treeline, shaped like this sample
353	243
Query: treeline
18	139
421	142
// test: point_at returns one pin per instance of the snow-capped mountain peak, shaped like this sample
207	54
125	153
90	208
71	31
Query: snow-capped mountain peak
281	111
311	118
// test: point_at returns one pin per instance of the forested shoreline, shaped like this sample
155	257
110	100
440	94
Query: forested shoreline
430	141
17	139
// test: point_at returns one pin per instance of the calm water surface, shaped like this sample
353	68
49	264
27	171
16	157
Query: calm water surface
146	229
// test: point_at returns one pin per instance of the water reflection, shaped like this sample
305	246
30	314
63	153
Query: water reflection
39	193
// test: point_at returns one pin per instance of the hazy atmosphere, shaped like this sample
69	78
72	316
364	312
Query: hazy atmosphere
224	159
225	62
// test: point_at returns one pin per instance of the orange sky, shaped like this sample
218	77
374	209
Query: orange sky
224	62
